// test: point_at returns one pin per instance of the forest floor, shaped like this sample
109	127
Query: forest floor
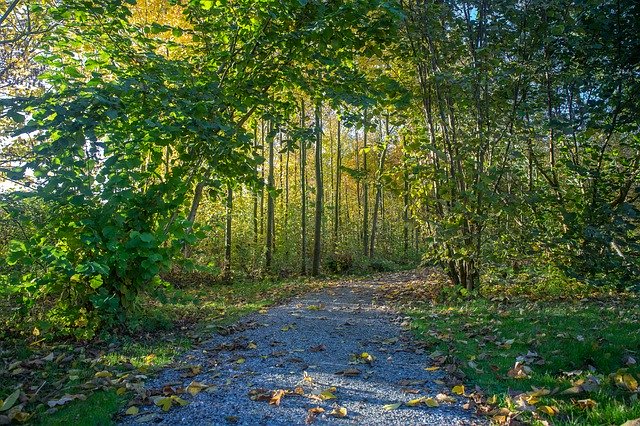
394	348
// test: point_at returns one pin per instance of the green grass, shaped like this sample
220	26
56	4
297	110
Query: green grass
593	336
97	410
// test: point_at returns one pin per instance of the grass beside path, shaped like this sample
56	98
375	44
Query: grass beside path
97	376
536	357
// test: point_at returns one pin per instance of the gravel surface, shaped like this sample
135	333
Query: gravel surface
314	336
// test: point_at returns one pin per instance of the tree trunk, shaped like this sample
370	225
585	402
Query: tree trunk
405	198
270	202
303	195
336	212
317	242
226	272
378	200
365	192
197	198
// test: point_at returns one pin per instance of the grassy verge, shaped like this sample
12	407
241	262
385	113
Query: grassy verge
540	360
87	383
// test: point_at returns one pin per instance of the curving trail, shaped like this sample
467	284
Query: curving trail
314	336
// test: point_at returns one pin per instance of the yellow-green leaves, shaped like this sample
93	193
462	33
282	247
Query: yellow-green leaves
165	403
389	407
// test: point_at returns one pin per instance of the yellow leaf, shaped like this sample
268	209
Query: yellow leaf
458	389
390	407
240	361
434	368
414	402
252	345
132	411
630	382
103	374
549	409
492	400
195	387
306	377
121	391
339	412
327	394
430	402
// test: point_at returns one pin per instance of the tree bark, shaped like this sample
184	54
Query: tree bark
317	243
336	212
270	202
226	273
365	192
303	195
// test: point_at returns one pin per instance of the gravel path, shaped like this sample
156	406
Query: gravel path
314	336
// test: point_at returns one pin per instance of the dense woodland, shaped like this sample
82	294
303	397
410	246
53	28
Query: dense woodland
251	138
167	166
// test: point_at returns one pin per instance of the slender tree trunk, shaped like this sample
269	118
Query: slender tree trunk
336	212
195	203
286	197
378	200
255	201
263	140
270	201
303	195
227	235
317	243
365	192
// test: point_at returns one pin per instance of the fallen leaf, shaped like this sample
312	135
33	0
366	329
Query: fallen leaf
458	389
339	412
549	410
318	348
103	374
132	411
195	387
164	403
260	394
348	372
434	368
276	396
585	404
11	399
441	397
327	394
65	399
390	407
240	361
312	413
430	402
414	402
572	390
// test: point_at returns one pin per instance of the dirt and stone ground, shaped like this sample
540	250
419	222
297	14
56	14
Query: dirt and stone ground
339	348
